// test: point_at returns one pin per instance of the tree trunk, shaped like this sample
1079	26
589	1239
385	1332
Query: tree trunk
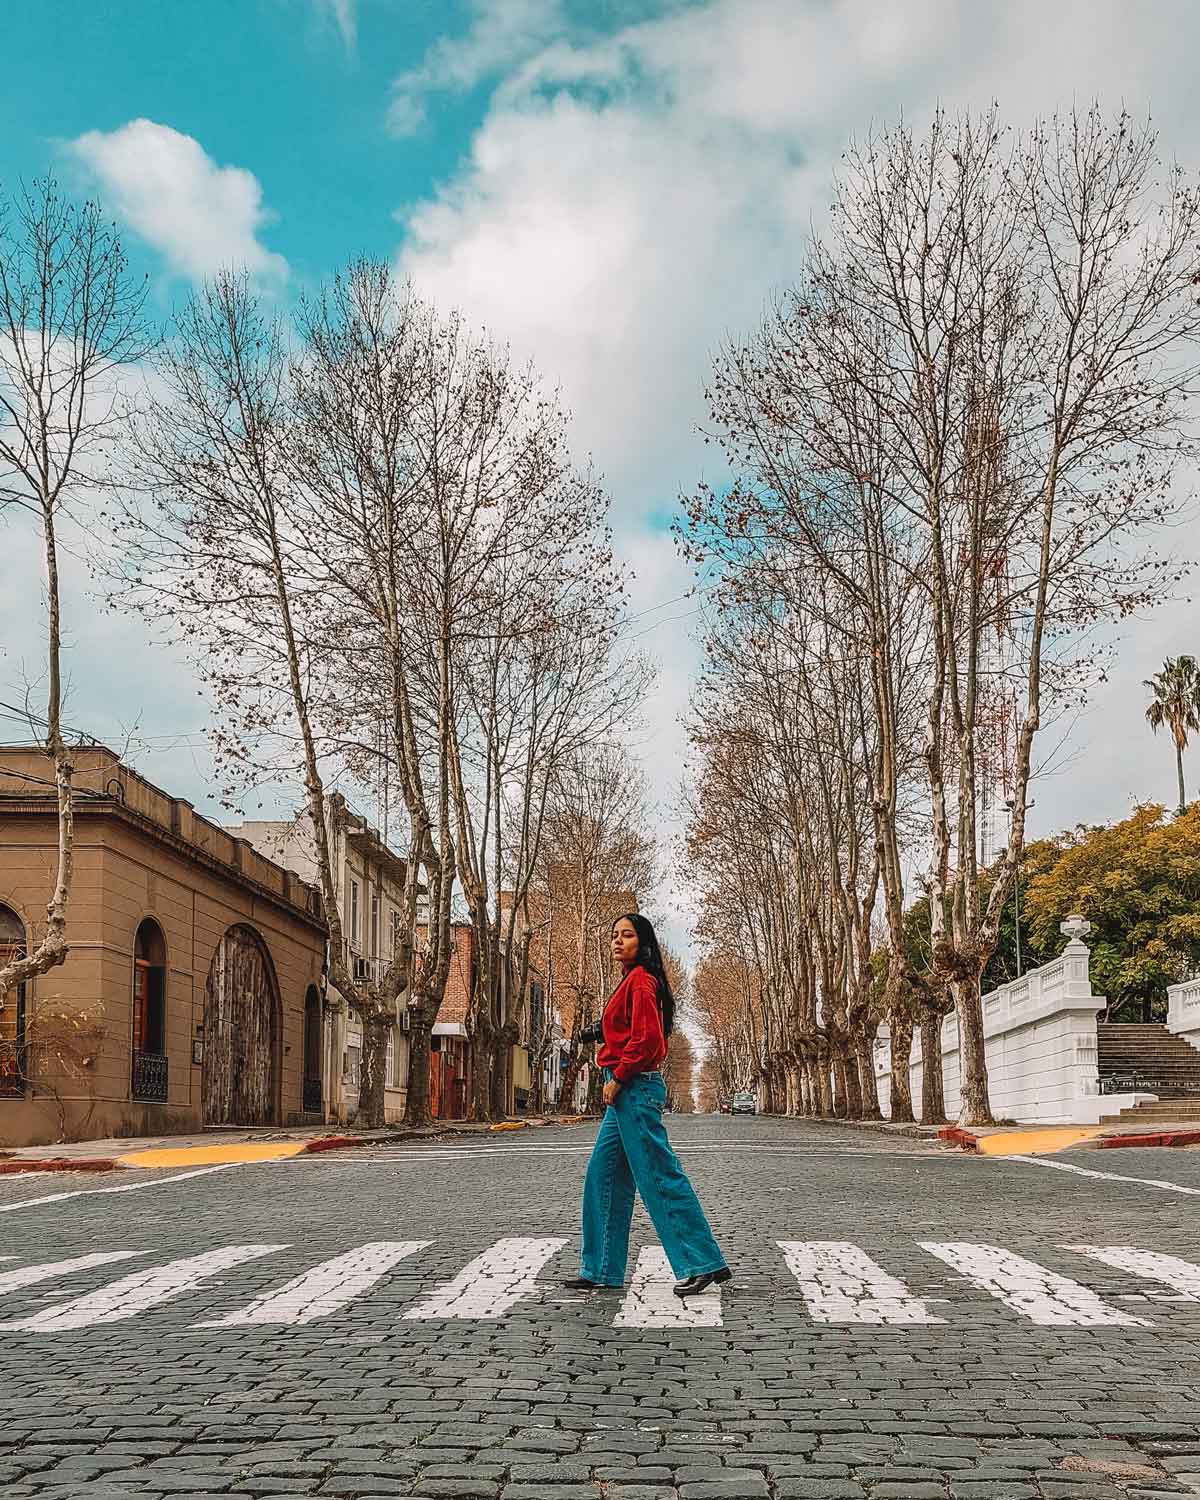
1179	770
854	1102
841	1106
933	1093
373	1081
864	1047
900	1027
416	1108
825	1080
975	1107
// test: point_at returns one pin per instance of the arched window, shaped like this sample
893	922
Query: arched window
148	1064
12	1009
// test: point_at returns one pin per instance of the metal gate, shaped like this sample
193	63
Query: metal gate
241	1033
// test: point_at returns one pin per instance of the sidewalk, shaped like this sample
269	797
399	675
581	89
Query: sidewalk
264	1143
1033	1140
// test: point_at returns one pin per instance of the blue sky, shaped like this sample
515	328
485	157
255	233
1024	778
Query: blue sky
613	188
270	85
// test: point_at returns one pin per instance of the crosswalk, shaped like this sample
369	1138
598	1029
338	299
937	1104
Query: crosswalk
838	1283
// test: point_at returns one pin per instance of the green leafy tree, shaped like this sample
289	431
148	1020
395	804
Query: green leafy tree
1138	883
1176	704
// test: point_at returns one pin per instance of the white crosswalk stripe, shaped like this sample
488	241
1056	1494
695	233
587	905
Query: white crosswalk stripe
842	1284
492	1283
134	1294
13	1281
324	1289
1043	1296
651	1301
1181	1275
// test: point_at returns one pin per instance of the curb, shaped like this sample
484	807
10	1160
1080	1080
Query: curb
957	1136
60	1164
913	1132
1163	1138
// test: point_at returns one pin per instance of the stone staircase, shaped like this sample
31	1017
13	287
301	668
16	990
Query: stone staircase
1148	1059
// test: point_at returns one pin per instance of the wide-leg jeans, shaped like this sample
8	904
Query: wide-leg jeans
632	1152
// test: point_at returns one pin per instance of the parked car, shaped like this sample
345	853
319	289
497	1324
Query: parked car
725	1106
744	1104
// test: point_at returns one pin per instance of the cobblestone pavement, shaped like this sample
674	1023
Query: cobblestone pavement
905	1323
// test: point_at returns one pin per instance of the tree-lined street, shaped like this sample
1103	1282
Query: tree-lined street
391	1322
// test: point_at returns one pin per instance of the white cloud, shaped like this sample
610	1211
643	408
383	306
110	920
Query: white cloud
631	199
344	15
201	217
502	33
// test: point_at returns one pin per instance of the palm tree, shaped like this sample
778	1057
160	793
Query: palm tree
1176	703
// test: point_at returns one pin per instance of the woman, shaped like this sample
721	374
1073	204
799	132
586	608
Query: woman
632	1149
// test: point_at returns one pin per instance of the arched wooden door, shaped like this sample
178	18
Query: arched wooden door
241	1033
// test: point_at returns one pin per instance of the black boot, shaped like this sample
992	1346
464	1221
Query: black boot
694	1285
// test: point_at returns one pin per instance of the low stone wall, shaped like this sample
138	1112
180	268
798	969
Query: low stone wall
1183	1011
1040	1044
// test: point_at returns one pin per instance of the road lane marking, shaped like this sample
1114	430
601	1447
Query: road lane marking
12	1281
134	1294
128	1187
1151	1265
323	1289
1048	1299
489	1286
1066	1166
651	1302
842	1284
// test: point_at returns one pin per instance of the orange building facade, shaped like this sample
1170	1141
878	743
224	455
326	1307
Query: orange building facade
192	993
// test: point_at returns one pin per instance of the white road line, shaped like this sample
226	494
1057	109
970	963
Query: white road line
650	1301
842	1284
323	1289
489	1286
1064	1166
128	1187
1043	1296
12	1281
1168	1270
134	1294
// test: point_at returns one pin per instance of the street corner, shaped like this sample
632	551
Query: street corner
211	1156
1039	1141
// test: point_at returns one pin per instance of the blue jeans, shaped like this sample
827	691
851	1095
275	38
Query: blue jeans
631	1151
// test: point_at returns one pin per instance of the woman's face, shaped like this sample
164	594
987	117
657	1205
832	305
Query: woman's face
624	941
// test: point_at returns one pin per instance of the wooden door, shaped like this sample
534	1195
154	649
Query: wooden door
241	1034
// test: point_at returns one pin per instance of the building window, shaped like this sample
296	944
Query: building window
375	925
148	1062
354	913
12	1009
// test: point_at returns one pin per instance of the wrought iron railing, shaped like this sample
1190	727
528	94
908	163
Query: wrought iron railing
312	1096
149	1077
1136	1083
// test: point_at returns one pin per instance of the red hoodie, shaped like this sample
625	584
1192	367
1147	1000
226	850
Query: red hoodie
633	1029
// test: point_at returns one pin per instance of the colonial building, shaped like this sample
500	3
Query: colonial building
370	882
191	994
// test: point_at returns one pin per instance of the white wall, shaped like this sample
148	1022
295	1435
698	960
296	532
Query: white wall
1183	1011
1040	1045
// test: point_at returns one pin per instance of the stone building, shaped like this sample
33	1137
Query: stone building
369	878
195	964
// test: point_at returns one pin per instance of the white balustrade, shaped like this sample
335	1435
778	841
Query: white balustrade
1039	1042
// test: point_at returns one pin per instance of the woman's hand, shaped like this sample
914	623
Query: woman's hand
611	1089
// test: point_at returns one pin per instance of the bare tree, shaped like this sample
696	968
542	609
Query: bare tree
965	416
71	320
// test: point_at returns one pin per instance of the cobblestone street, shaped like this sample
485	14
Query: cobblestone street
905	1322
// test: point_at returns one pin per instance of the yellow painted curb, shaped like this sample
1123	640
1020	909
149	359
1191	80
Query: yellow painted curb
208	1156
1029	1142
510	1125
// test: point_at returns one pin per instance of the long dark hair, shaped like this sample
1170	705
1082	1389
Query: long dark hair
649	957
